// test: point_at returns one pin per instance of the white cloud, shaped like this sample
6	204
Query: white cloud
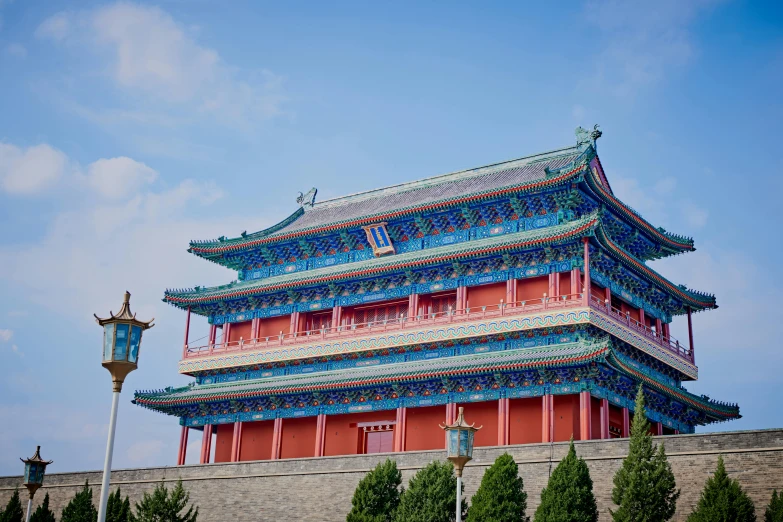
145	452
16	50
154	57
639	44
116	178
665	185
695	215
31	170
15	349
57	27
6	334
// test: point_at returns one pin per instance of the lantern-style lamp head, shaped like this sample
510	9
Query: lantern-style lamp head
34	469
459	442
121	342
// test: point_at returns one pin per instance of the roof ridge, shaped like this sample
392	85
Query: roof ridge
443	178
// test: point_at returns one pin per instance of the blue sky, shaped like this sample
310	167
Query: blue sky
128	129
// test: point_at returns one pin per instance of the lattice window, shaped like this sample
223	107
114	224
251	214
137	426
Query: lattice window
379	314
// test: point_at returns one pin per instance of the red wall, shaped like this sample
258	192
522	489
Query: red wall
525	420
595	418
344	437
242	330
223	442
484	415
486	295
257	440
272	326
565	283
424	431
566	417
533	288
616	417
298	439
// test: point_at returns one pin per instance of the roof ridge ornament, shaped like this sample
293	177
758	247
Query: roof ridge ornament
307	199
585	137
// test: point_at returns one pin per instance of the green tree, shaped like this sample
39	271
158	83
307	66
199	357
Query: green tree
723	499
377	495
161	506
644	487
431	495
117	509
80	508
501	495
774	512
568	497
13	510
42	512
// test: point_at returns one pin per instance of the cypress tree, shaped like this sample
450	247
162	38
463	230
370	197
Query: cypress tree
722	500
80	508
644	487
377	495
13	510
568	496
431	495
42	512
162	507
117	509
501	496
774	512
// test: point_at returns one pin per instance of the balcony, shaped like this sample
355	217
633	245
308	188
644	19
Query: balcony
467	315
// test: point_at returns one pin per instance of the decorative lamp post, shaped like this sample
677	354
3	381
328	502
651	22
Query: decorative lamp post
121	343
34	469
459	450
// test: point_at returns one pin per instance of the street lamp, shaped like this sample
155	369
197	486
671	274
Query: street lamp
459	450
34	469
121	343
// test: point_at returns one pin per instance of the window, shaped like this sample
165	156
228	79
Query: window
318	320
379	314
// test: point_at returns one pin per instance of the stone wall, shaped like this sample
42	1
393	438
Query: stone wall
320	489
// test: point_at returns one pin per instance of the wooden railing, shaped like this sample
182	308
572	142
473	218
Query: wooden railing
403	322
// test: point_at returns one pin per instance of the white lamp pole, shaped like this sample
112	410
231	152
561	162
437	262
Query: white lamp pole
121	343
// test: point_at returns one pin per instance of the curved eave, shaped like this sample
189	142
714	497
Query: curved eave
717	410
697	300
577	228
671	243
406	372
562	176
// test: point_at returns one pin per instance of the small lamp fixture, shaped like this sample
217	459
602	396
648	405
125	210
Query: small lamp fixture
34	470
459	450
121	342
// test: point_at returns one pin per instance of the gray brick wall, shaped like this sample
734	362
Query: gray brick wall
320	490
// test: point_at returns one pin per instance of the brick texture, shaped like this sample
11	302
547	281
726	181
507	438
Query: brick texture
320	490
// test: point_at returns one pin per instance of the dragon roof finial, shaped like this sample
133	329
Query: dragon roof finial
308	199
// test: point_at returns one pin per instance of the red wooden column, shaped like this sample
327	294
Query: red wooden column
585	415
604	418
586	286
295	323
451	412
337	316
547	418
511	291
659	329
626	423
641	317
187	334
277	438
212	336
503	421
236	442
608	293
206	444
226	333
574	281
690	334
254	328
413	306
320	434
400	428
183	446
657	428
556	277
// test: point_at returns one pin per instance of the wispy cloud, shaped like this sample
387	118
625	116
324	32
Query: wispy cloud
6	334
638	43
30	170
16	50
156	60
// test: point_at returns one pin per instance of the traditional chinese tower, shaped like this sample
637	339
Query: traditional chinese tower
519	291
